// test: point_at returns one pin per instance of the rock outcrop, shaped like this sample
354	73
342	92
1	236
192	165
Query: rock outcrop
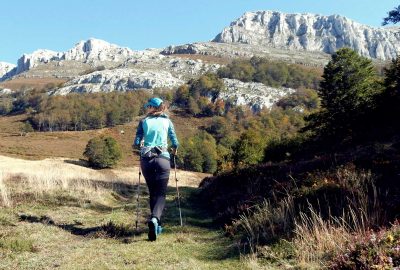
7	70
254	95
97	50
312	32
5	91
241	50
118	80
28	61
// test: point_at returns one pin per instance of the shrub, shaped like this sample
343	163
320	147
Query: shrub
26	128
248	149
280	149
376	250
198	153
103	152
6	105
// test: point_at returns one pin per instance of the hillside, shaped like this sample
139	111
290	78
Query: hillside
71	144
329	195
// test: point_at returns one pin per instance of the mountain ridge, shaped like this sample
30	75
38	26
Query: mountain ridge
311	32
96	65
264	30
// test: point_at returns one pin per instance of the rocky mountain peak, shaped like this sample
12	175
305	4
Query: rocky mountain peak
85	50
96	49
40	56
6	69
311	32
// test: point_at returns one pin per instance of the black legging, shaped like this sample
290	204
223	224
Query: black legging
156	173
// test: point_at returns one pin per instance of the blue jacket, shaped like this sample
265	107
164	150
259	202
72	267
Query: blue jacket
155	131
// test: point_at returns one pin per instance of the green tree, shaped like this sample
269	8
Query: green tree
103	152
393	16
392	78
346	92
193	159
219	128
389	100
26	128
304	98
238	69
182	95
199	153
248	149
208	85
113	116
6	105
193	106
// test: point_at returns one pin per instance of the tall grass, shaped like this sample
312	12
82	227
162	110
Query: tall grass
317	240
315	237
43	178
5	201
266	222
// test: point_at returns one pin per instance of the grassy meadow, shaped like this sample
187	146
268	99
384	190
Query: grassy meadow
56	214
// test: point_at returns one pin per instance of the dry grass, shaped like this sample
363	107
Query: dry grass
39	178
317	240
38	83
266	222
45	235
313	238
21	177
5	201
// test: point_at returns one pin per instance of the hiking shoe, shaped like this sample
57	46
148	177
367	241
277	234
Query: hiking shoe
159	229
153	228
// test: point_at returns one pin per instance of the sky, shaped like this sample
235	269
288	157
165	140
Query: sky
58	25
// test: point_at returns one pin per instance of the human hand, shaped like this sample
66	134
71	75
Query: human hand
174	151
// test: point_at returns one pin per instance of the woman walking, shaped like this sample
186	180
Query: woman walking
151	137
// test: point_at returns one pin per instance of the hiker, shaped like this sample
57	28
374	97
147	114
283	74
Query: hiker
151	138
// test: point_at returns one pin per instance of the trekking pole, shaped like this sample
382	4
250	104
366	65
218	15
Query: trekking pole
177	192
137	200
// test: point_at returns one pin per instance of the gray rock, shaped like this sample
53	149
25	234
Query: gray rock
5	91
241	50
118	80
7	70
254	95
311	32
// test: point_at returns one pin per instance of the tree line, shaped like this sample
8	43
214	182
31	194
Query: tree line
75	112
353	104
351	99
275	74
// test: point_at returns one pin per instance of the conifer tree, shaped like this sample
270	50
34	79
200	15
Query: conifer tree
393	16
347	93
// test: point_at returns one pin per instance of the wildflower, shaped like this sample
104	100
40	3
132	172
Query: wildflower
390	238
373	237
